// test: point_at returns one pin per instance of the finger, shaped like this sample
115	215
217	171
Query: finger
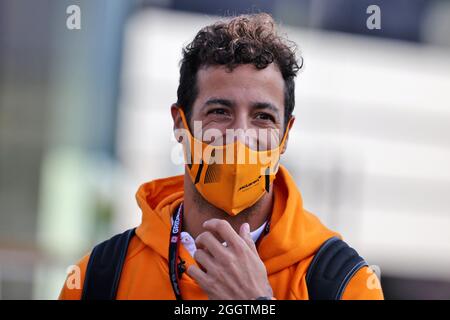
244	232
198	275
206	240
204	259
225	231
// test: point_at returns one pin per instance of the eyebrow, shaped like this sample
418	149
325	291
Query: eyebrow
224	102
232	104
265	105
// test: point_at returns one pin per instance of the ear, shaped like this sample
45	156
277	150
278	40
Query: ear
290	124
177	122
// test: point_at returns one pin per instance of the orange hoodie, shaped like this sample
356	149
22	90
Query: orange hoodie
286	250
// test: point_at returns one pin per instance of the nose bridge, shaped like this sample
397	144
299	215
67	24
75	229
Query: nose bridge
241	120
241	126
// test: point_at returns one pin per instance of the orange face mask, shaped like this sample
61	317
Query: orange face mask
231	177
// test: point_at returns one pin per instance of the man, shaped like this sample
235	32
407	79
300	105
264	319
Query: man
253	238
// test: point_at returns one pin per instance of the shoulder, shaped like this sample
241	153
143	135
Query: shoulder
337	271
364	285
73	286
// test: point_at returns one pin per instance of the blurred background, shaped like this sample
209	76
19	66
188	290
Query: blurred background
84	120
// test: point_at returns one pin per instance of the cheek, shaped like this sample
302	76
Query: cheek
211	132
269	139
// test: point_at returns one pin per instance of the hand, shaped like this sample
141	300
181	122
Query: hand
234	271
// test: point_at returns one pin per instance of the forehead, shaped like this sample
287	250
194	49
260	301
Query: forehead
243	83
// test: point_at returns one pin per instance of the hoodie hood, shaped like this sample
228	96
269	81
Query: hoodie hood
295	233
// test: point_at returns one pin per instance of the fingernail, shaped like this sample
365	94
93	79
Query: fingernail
246	227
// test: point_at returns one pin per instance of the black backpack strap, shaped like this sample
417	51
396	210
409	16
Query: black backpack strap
331	269
105	267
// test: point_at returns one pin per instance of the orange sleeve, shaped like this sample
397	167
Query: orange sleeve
73	286
364	285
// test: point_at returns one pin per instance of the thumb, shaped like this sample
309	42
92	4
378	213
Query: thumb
244	232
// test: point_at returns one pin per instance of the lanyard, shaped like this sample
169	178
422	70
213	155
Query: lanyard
176	269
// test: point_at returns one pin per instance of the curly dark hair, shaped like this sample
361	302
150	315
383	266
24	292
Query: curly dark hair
245	39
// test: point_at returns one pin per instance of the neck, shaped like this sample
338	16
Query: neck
197	210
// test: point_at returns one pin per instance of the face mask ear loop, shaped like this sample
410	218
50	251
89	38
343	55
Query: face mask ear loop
183	119
285	134
192	140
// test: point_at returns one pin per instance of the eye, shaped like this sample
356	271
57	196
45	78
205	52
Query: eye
218	111
265	116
